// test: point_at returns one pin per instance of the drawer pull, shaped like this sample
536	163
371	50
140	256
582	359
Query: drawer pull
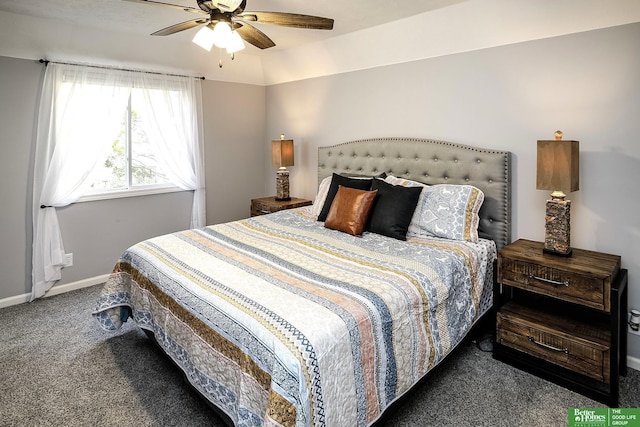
552	282
550	347
264	211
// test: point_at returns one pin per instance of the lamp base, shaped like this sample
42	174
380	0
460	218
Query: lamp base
282	185
556	253
557	238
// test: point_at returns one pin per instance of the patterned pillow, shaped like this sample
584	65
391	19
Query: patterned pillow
403	182
449	211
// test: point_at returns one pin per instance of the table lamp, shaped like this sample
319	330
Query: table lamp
558	170
281	157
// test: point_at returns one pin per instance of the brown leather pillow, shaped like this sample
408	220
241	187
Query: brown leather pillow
350	210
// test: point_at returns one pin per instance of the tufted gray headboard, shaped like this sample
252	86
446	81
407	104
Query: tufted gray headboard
432	162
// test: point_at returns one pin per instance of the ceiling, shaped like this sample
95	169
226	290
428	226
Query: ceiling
366	34
127	17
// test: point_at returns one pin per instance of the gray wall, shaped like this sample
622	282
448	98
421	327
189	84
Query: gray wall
19	88
586	84
97	232
235	121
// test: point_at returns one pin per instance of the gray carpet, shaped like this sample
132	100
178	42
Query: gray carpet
58	368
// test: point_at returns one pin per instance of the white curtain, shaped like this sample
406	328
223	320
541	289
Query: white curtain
80	112
171	105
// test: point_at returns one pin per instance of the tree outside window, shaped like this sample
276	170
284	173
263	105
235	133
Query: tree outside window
131	163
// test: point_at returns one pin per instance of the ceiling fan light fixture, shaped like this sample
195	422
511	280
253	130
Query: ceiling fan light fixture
221	34
204	38
235	43
223	16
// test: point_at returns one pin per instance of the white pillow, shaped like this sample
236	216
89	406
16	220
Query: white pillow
323	190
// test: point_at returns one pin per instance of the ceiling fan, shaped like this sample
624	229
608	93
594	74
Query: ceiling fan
232	12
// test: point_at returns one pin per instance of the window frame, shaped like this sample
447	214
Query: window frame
131	190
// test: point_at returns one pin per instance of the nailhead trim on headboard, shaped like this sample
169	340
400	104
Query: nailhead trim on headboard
432	162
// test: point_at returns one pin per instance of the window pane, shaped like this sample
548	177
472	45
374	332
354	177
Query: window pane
145	169
112	173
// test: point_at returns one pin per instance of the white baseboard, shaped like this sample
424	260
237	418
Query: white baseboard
56	290
633	362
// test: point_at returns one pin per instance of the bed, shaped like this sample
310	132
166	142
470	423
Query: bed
284	319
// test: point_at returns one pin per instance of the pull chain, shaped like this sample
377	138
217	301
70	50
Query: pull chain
233	56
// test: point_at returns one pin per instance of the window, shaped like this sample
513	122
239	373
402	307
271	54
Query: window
131	165
84	132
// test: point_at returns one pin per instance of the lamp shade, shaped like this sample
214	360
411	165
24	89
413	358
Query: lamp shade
282	152
204	38
221	34
235	43
558	166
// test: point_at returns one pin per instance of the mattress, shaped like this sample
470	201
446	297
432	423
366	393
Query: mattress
277	320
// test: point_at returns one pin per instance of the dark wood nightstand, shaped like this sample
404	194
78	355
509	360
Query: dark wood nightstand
267	205
563	318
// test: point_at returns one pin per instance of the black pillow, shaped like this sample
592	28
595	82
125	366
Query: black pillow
337	180
383	175
393	209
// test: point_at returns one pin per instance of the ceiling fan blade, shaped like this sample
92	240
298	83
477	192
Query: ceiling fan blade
180	27
173	6
288	20
252	35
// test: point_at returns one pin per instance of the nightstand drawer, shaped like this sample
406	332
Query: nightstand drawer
582	349
568	286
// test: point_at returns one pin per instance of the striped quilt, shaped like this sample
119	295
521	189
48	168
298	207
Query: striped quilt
279	321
